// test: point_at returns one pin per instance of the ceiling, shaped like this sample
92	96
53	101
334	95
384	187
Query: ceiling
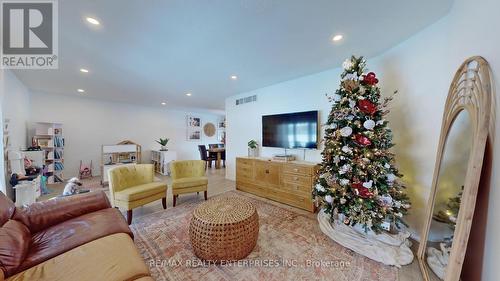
148	52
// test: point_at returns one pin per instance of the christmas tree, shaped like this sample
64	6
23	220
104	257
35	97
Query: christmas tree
358	181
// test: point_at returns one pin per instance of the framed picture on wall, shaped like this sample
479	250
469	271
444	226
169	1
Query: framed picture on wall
194	129
221	136
193	122
193	134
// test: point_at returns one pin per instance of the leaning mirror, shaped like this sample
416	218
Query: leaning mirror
455	183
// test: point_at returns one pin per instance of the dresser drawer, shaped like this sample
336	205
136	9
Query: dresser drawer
244	162
300	201
298	169
297	179
244	170
304	189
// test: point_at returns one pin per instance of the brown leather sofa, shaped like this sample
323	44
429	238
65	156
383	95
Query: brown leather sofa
71	238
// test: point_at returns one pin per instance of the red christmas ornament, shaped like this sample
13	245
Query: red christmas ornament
362	140
367	107
362	191
370	79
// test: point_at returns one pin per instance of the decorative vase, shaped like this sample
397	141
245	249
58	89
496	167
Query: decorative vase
252	152
163	148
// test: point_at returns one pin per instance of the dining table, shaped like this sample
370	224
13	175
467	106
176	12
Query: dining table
218	151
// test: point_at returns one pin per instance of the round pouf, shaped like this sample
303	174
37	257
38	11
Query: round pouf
224	229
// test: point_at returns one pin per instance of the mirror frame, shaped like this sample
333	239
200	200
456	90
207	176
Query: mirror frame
470	90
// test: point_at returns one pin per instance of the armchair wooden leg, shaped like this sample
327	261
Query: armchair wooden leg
129	217
164	202
175	199
206	195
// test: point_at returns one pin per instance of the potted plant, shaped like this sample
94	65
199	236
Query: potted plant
252	148
163	143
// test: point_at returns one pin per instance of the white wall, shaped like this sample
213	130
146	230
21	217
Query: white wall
421	68
15	105
244	122
90	123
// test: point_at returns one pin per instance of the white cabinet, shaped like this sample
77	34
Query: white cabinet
27	192
162	159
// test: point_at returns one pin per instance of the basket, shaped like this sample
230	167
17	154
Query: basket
224	229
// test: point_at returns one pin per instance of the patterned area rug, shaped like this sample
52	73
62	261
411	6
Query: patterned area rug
290	247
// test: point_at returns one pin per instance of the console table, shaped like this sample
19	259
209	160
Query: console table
290	182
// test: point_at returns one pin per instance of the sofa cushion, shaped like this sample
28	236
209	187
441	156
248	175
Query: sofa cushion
111	258
15	240
41	215
141	191
72	233
7	208
189	182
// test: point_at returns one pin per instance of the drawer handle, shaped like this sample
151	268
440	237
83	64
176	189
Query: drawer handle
267	171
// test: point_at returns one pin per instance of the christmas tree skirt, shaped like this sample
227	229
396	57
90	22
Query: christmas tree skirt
385	248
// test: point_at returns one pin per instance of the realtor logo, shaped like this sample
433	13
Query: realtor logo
29	34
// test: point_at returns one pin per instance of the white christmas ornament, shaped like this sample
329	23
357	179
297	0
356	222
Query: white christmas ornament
320	188
369	124
336	97
347	149
345	169
350	76
368	184
352	103
391	177
346	131
328	199
347	65
387	166
385	200
336	159
344	182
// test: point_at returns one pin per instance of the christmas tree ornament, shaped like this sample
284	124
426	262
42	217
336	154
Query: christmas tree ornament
346	131
346	149
367	107
369	124
362	140
368	184
370	79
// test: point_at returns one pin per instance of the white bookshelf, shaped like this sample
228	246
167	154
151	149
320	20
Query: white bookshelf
49	136
161	161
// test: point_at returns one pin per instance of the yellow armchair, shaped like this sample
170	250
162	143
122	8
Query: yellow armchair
188	177
131	186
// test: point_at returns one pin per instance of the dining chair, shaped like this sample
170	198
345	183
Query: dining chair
205	156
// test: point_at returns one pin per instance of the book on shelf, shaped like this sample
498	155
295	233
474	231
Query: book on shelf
58	166
58	141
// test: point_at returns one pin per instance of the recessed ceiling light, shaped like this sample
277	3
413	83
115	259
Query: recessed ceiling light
188	94
81	90
337	37
234	77
93	21
163	103
84	70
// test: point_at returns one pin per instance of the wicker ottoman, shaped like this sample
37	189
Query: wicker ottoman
224	229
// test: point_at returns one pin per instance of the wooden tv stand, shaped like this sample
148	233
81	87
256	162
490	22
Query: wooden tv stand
290	183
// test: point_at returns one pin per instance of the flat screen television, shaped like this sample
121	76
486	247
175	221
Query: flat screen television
290	130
